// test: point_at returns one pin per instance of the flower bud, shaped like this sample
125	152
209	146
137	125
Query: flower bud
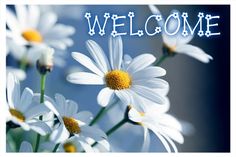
45	62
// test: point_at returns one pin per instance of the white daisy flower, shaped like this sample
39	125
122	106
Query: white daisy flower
21	111
31	27
74	123
25	147
179	43
20	74
164	126
120	81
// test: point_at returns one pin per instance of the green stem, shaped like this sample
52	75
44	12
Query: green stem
8	128
23	64
113	129
42	89
102	112
163	57
56	147
98	116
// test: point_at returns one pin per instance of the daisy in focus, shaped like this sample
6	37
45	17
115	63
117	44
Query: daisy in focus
74	124
120	81
178	43
21	111
154	118
30	30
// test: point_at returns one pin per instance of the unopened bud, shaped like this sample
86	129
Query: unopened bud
45	62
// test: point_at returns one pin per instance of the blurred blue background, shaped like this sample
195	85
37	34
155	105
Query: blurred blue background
199	93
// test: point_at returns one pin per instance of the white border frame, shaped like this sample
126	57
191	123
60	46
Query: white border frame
3	4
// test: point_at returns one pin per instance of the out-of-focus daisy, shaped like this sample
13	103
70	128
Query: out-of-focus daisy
179	43
18	73
74	123
21	111
30	29
72	145
120	81
164	126
25	147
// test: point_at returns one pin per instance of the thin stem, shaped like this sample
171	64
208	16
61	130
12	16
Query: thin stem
113	129
42	89
102	112
56	147
8	128
23	64
98	116
163	57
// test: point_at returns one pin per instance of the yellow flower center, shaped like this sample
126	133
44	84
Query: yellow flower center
32	35
170	49
118	79
71	125
69	147
17	114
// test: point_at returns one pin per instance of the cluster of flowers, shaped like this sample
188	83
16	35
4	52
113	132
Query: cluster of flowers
131	82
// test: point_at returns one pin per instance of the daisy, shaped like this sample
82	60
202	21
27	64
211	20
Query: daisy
164	126
19	74
74	123
25	147
30	29
179	43
120	81
21	111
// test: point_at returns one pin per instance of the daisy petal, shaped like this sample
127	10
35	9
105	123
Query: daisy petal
146	140
149	73
84	116
46	22
35	110
12	22
85	78
173	134
140	62
105	96
171	143
40	127
21	13
87	147
70	108
13	91
93	132
134	115
169	120
149	94
60	134
87	62
195	52
124	96
34	15
116	51
98	55
25	147
25	100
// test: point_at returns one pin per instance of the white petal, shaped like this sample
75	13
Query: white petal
171	143
105	96
21	14
173	134
157	133
52	107
40	127
12	22
149	94
84	116
87	147
156	11
134	115
60	134
115	51
184	40
169	41
140	62
46	22
34	14
152	83
98	55
20	74
146	140
25	147
85	78
35	110
195	52
148	73
105	146
13	91
93	132
124	96
70	108
60	103
25	100
59	31
87	62
170	121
